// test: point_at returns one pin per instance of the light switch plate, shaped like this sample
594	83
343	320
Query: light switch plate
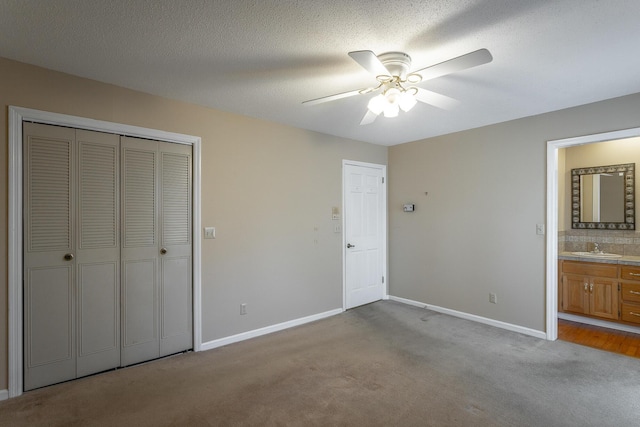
209	232
540	229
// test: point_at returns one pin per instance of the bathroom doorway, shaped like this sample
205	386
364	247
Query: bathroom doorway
560	235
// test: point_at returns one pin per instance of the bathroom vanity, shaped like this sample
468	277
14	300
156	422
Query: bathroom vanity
604	289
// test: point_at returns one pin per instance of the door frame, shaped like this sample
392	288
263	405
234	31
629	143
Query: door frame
553	212
15	244
385	208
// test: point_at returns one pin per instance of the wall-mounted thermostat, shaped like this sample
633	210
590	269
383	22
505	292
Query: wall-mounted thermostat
408	208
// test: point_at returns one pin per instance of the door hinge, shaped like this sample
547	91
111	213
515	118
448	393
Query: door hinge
618	287
383	179
382	279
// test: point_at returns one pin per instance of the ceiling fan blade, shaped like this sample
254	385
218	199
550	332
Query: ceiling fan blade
370	62
333	97
369	117
469	60
435	99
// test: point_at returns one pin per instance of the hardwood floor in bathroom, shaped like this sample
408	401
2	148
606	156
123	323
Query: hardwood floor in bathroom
606	339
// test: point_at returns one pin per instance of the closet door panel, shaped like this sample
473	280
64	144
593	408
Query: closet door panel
139	250
99	318
139	314
50	355
176	305
49	297
98	252
176	256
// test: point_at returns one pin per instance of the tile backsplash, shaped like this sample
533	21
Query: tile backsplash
616	242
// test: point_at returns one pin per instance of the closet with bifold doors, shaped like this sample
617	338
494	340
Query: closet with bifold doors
107	262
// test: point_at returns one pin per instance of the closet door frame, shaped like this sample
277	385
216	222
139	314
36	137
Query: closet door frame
15	242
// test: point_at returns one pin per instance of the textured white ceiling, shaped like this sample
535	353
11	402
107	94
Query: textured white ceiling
262	58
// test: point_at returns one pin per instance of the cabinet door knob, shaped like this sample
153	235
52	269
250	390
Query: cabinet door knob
163	251
585	286
68	257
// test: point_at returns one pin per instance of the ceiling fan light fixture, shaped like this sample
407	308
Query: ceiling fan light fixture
391	71
407	101
376	104
392	102
414	78
391	109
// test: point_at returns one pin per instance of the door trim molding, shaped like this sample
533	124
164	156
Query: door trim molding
385	208
16	116
553	211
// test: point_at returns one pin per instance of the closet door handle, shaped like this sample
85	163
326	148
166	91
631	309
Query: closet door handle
349	245
163	251
68	257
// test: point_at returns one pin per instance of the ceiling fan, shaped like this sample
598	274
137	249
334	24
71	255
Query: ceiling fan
395	82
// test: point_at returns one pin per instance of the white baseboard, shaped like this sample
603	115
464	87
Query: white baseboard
473	318
267	330
597	322
4	394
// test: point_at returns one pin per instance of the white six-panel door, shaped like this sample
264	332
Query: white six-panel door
364	234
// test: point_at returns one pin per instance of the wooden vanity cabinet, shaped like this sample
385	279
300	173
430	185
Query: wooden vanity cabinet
630	294
591	289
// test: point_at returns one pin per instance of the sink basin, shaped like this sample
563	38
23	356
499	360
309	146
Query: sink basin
596	255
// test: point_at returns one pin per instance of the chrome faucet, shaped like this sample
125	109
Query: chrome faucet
596	248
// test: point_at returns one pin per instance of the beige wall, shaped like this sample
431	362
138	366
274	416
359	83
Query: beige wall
474	232
265	187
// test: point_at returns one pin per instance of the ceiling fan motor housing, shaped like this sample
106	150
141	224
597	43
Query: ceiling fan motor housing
398	63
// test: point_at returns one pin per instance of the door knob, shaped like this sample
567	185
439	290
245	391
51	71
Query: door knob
163	251
68	257
349	245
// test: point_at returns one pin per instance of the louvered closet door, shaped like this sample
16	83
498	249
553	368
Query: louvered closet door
98	252
71	268
175	253
140	250
156	249
49	279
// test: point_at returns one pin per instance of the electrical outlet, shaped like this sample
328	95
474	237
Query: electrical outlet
243	309
540	229
493	299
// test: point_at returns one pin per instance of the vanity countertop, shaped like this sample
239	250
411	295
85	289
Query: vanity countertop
626	260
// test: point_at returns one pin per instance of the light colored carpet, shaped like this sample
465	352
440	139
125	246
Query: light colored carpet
385	364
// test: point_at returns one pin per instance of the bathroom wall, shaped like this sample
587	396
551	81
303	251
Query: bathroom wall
597	154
